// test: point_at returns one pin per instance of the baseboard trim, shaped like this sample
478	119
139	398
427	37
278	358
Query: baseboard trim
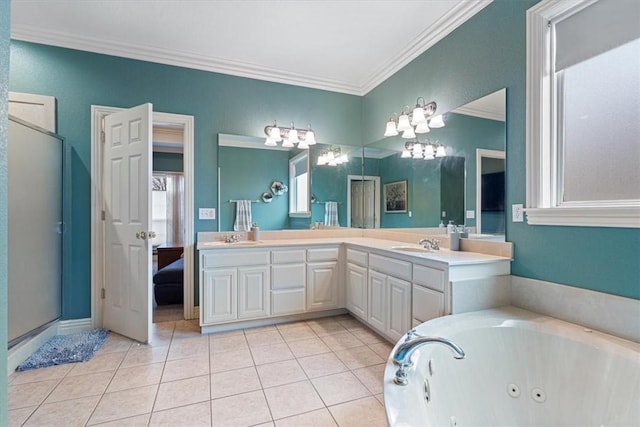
66	327
20	353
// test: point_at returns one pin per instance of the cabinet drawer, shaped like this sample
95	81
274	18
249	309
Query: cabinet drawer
427	304
430	277
288	276
288	256
233	258
323	254
394	267
357	257
287	301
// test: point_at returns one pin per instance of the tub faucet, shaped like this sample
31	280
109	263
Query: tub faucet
402	355
434	244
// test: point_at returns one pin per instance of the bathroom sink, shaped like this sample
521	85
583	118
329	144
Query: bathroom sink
417	249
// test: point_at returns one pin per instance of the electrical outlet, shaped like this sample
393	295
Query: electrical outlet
207	213
471	214
517	213
410	214
444	214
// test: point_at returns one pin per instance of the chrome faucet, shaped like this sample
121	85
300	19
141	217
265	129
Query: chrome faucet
231	238
430	244
402	355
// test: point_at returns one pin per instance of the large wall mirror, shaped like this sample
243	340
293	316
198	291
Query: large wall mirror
249	170
466	186
376	187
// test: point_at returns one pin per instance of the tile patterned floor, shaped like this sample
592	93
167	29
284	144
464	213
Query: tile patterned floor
324	372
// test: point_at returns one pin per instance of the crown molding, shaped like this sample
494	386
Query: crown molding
478	112
180	59
430	36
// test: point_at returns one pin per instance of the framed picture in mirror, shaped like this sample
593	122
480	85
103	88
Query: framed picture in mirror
395	197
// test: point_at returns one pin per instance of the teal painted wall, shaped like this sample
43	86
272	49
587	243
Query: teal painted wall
245	174
4	87
219	104
168	162
485	54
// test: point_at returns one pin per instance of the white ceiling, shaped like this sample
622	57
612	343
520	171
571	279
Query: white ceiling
347	46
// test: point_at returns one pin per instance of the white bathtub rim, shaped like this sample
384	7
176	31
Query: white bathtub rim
507	316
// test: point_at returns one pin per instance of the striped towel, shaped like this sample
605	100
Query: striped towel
331	214
243	216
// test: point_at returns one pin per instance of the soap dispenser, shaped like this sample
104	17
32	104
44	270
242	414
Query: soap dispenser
441	225
451	228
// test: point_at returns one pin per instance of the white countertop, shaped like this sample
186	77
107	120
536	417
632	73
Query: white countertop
443	255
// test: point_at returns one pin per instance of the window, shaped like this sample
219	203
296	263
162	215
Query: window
583	113
299	183
167	208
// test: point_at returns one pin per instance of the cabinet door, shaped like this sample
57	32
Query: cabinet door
399	306
377	299
322	285
253	292
427	303
357	290
220	295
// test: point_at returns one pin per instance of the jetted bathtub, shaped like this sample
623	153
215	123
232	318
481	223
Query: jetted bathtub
520	369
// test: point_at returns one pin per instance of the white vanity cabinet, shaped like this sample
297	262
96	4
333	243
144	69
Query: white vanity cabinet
235	285
323	272
356	282
288	281
428	300
389	295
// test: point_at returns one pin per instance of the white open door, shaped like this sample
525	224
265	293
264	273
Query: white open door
127	218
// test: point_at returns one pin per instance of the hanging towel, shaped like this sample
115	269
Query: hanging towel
243	216
331	214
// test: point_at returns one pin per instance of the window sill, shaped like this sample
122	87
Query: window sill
299	214
596	216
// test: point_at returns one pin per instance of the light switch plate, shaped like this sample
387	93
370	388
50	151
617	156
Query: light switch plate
207	213
517	213
471	214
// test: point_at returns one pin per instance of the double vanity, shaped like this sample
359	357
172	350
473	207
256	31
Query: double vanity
391	285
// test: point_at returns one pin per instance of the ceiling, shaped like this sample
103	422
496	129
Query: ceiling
347	46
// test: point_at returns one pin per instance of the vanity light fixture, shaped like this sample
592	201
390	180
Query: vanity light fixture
289	136
425	150
332	157
411	122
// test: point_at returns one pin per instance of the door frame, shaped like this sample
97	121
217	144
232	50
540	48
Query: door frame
98	112
376	196
480	154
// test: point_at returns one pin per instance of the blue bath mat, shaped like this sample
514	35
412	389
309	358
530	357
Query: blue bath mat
62	349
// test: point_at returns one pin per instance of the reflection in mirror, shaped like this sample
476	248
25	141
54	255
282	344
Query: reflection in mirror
247	168
444	189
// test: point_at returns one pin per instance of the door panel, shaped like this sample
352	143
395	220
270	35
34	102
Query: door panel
377	300
127	176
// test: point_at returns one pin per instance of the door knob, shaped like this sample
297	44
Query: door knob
152	234
141	235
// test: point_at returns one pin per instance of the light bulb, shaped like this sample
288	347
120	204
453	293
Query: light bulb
440	151
403	123
274	134
293	136
405	154
428	151
418	116
391	129
287	143
423	127
409	133
310	137
270	142
303	144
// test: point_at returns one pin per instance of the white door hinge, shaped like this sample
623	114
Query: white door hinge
102	293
